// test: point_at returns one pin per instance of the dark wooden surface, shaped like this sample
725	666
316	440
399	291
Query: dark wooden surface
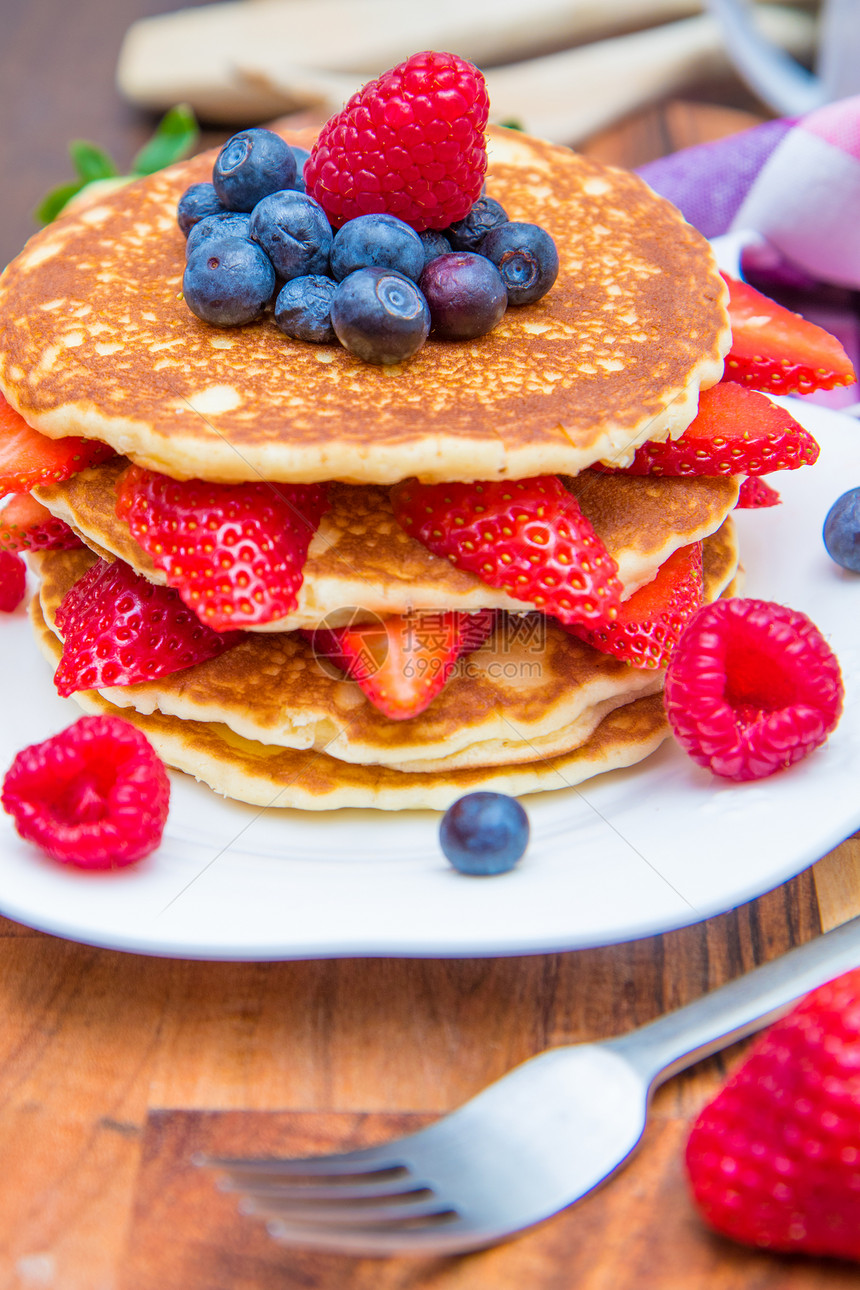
114	1067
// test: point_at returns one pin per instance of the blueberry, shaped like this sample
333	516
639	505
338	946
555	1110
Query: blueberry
484	833
252	164
465	294
435	244
228	281
381	240
301	155
842	530
224	224
468	234
526	257
380	315
294	231
303	308
196	202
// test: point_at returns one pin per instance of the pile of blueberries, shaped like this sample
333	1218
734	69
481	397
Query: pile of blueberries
255	238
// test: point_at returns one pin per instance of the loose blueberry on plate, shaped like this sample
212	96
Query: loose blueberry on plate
222	224
196	202
228	282
379	315
252	164
381	240
465	294
484	833
303	308
294	231
468	234
526	257
842	530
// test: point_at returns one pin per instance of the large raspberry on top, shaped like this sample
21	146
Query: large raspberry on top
410	144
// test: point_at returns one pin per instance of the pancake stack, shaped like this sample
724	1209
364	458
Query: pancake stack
97	341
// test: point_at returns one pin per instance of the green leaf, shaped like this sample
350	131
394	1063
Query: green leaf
173	139
91	161
51	206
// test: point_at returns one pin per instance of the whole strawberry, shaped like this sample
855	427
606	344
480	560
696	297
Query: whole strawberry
774	1160
410	144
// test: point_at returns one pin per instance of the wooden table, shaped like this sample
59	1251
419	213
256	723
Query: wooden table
115	1068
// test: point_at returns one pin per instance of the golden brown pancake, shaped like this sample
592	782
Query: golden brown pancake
361	557
531	691
264	775
96	340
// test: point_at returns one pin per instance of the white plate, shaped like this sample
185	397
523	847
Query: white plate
628	854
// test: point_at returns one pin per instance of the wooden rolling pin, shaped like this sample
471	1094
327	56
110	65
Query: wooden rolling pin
251	60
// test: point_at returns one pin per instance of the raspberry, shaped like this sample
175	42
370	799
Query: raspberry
94	796
410	144
752	687
772	1160
13	581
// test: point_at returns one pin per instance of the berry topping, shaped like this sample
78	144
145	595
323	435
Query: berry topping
293	231
650	623
28	458
435	243
528	537
484	833
776	350
13	581
303	308
195	204
465	295
94	796
526	258
752	687
772	1160
468	234
227	224
735	432
755	493
252	164
27	525
380	315
382	240
234	552
842	530
402	662
118	628
228	281
410	143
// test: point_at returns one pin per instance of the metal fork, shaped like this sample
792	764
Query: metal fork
527	1146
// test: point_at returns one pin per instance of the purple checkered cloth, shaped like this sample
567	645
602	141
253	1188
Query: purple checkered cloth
797	183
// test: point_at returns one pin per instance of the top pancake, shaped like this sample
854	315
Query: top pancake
96	340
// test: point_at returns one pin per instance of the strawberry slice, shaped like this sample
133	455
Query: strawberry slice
649	625
735	432
527	536
118	628
28	458
13	581
755	493
776	350
401	663
27	525
234	552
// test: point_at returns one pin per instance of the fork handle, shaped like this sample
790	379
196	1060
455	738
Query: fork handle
678	1039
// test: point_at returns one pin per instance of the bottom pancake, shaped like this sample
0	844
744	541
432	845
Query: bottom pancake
310	780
